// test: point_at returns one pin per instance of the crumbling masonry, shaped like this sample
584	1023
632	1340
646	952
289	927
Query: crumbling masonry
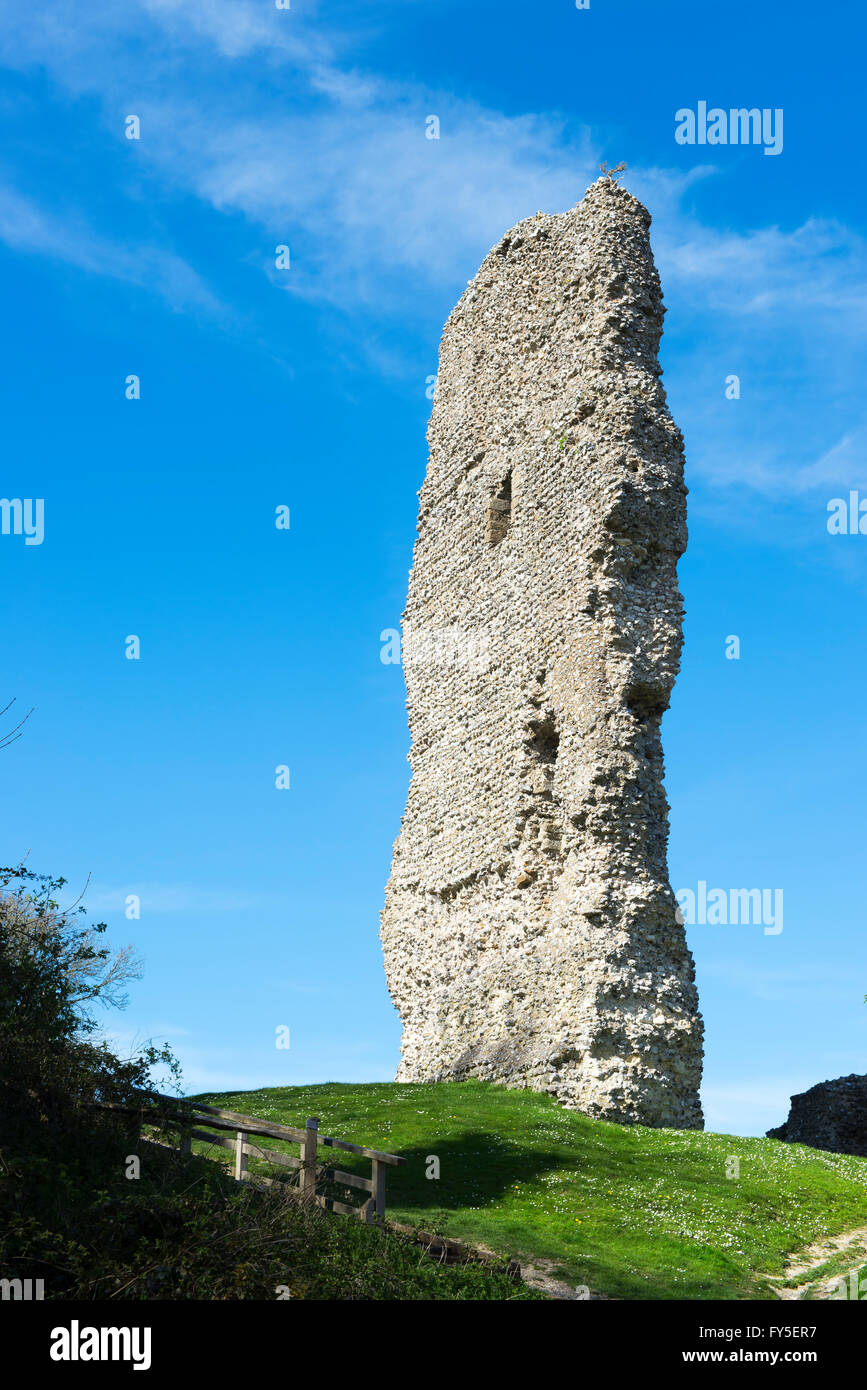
529	931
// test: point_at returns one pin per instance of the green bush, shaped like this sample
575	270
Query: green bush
185	1231
53	1067
72	1214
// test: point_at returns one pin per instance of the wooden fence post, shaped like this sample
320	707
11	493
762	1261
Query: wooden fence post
186	1141
240	1156
309	1157
379	1188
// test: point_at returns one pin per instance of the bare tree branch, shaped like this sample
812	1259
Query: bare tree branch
92	971
13	734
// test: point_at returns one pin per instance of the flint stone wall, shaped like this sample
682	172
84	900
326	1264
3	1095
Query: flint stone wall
529	930
831	1115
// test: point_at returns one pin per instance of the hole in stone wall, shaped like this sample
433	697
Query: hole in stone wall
645	701
546	742
500	511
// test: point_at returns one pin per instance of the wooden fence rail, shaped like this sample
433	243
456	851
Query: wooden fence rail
196	1121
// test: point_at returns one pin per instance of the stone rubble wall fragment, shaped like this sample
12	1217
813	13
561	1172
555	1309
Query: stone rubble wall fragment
529	929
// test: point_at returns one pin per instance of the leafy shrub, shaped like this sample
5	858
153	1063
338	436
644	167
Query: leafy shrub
69	1212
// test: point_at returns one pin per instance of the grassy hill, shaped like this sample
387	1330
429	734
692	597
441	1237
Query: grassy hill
630	1212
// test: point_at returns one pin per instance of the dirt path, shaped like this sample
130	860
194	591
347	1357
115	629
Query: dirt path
849	1252
539	1276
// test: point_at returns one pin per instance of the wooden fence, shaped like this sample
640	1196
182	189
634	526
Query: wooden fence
195	1121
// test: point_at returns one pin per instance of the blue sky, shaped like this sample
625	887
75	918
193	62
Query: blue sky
306	387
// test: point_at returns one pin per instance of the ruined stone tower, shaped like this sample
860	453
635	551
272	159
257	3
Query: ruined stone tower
529	930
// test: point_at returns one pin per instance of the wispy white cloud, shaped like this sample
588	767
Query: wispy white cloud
377	212
355	178
819	265
265	115
844	465
26	227
236	28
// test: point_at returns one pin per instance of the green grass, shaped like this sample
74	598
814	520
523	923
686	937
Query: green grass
631	1212
835	1269
835	1265
185	1231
